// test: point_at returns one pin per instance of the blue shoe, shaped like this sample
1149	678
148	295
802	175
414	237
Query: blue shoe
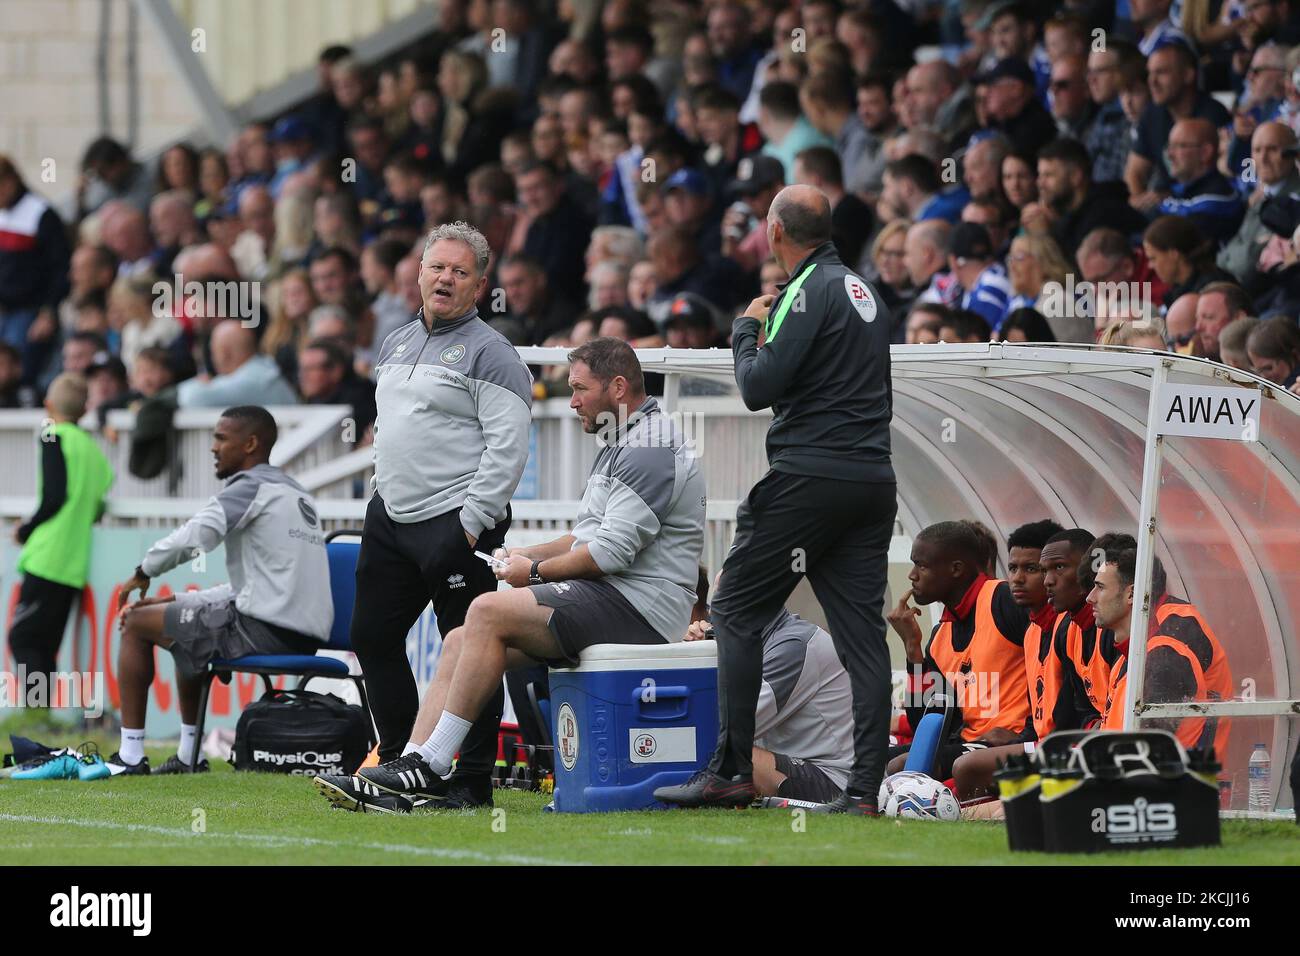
61	765
90	765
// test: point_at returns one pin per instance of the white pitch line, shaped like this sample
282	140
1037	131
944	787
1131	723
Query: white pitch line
271	840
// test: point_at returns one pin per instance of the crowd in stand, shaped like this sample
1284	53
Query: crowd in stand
998	170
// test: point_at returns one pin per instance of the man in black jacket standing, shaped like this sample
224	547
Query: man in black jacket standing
826	506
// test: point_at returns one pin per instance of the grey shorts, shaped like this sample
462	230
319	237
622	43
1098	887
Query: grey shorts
591	612
804	781
204	631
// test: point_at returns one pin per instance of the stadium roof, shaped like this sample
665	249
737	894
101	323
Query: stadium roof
1010	433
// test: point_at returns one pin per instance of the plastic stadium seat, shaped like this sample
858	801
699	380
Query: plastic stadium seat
931	730
342	548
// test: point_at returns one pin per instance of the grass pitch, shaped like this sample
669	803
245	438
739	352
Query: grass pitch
225	818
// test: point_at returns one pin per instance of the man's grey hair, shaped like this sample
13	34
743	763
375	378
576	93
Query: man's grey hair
805	226
461	231
623	243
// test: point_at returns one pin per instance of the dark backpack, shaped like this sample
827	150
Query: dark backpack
300	732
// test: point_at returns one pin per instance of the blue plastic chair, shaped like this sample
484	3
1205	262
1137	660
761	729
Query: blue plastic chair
932	730
342	548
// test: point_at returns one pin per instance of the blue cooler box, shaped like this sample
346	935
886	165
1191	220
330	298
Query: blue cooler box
630	718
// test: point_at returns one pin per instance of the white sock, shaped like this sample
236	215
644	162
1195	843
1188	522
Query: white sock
185	749
132	747
409	748
441	747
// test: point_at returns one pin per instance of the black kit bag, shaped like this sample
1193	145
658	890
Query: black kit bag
300	732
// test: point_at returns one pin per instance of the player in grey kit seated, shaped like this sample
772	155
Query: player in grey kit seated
277	601
803	728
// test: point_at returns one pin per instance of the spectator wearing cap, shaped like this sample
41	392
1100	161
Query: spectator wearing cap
912	192
1013	108
1070	205
1199	191
1171	76
554	228
786	130
688	204
744	227
1110	136
986	289
243	376
108	172
692	323
534	311
326	377
852	221
34	261
1273	148
293	142
827	101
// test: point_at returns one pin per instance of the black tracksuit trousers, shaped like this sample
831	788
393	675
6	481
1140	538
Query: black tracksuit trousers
39	621
401	568
837	532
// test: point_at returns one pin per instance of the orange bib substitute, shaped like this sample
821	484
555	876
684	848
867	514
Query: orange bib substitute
988	675
1192	732
1086	652
1043	675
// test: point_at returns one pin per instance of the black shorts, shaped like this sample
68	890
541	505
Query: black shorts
591	612
945	757
805	781
203	630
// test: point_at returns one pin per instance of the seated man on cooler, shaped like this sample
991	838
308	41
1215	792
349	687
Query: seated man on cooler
277	601
1184	660
975	654
803	729
625	575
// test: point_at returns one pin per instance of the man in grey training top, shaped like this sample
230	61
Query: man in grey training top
626	573
451	439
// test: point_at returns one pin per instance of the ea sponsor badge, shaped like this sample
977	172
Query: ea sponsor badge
861	297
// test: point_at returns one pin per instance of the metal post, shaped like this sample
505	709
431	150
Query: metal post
1146	545
175	39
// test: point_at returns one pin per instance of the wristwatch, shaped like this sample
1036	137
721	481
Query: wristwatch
534	575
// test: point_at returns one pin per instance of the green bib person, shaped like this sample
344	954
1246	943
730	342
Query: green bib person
73	478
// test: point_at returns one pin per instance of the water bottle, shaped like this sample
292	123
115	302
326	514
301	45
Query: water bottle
1260	772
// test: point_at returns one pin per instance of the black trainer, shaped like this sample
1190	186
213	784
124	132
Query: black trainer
174	764
466	792
708	789
117	766
407	776
854	805
350	793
